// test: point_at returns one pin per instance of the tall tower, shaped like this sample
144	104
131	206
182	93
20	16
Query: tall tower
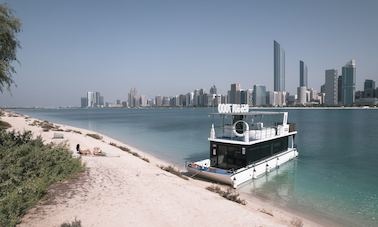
279	67
331	87
91	99
213	90
235	93
349	82
303	74
259	95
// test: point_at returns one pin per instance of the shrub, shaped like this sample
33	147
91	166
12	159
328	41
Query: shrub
75	223
145	159
174	171
296	222
27	169
46	126
124	148
229	194
268	212
113	144
4	125
95	136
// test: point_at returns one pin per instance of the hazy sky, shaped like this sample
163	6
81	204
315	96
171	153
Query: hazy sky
171	47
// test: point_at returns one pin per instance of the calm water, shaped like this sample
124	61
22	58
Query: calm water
335	175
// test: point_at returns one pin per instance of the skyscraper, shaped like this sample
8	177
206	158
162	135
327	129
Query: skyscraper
279	67
246	97
331	87
213	90
84	102
303	74
302	95
133	98
349	82
235	93
369	87
259	95
369	84
340	90
158	100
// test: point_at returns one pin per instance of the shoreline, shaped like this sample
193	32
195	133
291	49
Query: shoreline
192	107
128	176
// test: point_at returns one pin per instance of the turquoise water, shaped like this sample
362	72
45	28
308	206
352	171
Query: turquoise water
335	175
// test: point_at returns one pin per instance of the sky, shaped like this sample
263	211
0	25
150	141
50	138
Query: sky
171	47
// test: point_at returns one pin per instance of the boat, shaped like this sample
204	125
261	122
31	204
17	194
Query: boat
245	145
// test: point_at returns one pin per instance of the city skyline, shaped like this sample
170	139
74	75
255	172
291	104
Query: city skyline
164	48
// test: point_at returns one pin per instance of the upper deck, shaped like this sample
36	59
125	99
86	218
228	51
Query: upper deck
235	124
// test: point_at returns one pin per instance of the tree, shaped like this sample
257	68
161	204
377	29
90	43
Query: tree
9	26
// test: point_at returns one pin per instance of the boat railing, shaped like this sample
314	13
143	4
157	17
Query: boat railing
226	132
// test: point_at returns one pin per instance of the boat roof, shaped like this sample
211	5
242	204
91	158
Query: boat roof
252	113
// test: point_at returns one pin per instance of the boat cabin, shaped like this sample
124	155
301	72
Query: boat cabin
239	138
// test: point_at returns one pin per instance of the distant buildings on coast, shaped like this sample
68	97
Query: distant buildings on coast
338	90
92	100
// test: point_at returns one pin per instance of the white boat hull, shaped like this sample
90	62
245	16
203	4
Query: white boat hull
201	169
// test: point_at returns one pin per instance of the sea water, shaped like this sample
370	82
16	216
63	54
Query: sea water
335	175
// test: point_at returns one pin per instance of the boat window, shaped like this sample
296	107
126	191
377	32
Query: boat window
228	157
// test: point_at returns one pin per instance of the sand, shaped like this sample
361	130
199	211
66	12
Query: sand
124	190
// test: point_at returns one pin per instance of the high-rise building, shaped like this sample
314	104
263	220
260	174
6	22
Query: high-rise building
217	100
166	101
330	87
98	99
270	98
303	74
369	84
94	99
322	88
302	95
201	101
91	98
213	90
133	99
158	100
235	93
101	101
84	102
259	95
143	101
243	96
279	67
369	88
280	98
349	82
189	99
340	90
246	97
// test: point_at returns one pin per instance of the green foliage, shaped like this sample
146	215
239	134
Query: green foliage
4	125
9	26
27	169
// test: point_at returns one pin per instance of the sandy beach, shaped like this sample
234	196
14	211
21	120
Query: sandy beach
121	189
